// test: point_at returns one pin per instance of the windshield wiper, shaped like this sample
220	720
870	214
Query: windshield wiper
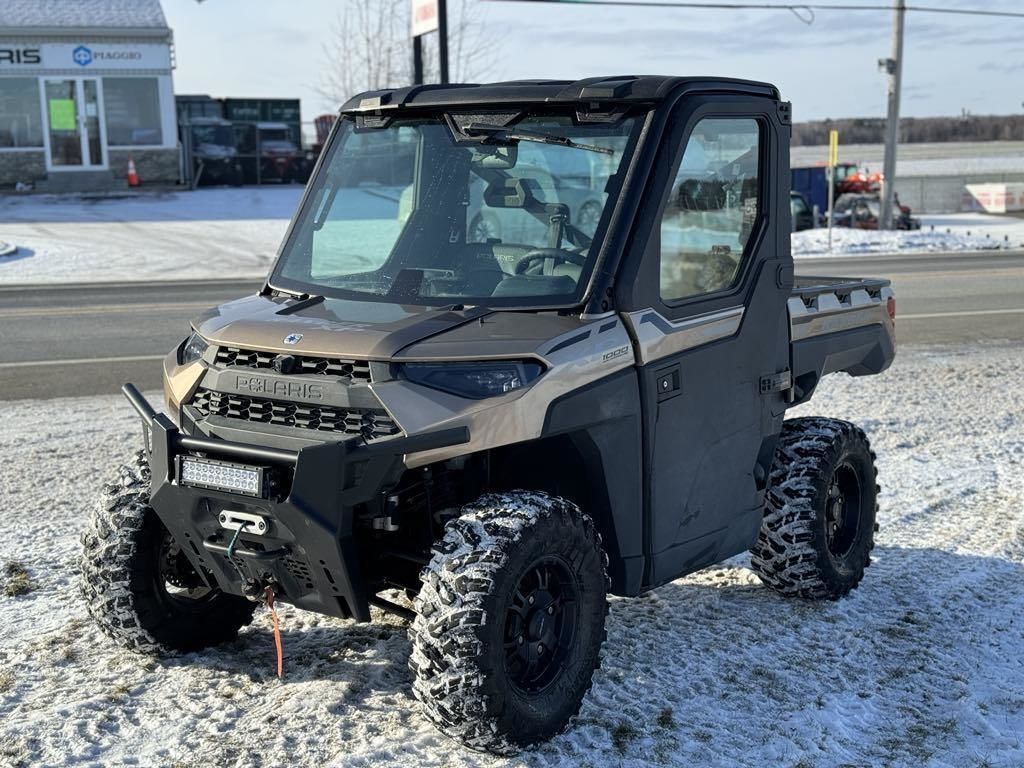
499	133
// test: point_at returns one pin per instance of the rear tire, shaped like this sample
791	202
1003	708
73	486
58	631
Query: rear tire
820	508
137	584
510	621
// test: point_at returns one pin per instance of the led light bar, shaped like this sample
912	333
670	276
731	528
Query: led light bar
221	476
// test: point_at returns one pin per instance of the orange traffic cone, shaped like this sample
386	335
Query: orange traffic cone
133	176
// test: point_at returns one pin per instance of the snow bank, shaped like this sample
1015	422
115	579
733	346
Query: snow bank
951	232
922	665
1007	229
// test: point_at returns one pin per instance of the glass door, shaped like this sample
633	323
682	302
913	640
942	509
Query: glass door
75	124
62	119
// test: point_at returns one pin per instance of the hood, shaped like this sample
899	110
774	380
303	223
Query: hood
498	334
273	147
362	330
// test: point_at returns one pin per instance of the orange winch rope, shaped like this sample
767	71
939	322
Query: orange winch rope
277	631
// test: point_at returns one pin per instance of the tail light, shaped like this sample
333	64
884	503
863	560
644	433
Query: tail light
890	307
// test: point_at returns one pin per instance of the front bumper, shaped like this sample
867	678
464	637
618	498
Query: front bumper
308	552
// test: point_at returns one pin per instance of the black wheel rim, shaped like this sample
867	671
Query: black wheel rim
540	625
843	510
177	580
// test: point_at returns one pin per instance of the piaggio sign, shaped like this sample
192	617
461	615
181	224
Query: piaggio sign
76	56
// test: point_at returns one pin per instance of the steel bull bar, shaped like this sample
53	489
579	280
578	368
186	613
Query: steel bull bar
294	529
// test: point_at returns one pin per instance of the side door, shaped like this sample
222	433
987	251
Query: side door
709	323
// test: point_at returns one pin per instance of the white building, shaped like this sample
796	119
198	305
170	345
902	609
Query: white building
84	86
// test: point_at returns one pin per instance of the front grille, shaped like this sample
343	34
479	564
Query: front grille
356	371
371	423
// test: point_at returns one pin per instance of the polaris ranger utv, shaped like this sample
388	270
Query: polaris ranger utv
506	429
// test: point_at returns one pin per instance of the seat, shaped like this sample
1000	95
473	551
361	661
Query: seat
566	269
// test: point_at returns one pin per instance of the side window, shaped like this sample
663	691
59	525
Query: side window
711	210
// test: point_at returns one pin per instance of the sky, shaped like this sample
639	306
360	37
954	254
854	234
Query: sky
277	49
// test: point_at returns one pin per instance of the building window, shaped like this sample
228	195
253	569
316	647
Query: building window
21	120
132	106
711	210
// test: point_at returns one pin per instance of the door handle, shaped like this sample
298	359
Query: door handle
668	382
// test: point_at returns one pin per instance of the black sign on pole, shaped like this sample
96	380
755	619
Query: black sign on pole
417	60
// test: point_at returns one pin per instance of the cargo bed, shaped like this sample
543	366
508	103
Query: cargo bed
839	324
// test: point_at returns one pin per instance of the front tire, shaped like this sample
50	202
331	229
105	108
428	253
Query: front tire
139	586
820	508
510	621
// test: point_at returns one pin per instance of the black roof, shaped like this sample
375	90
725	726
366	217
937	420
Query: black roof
616	89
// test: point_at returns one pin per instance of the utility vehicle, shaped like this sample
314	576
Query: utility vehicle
214	155
503	432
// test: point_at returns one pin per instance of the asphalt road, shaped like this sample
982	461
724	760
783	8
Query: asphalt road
61	340
954	298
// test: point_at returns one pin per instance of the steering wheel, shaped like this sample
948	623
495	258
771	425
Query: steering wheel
540	254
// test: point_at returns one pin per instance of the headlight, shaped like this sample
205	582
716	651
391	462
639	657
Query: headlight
474	380
193	349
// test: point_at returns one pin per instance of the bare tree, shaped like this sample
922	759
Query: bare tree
370	47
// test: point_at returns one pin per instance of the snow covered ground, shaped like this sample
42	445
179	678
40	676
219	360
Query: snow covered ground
235	233
922	665
1007	230
209	233
949	232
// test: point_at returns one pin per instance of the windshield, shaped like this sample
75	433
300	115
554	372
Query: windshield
421	213
218	135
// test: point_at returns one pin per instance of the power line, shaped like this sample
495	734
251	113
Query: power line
795	8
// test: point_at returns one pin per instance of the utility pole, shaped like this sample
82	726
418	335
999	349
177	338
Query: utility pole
442	38
417	60
894	68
